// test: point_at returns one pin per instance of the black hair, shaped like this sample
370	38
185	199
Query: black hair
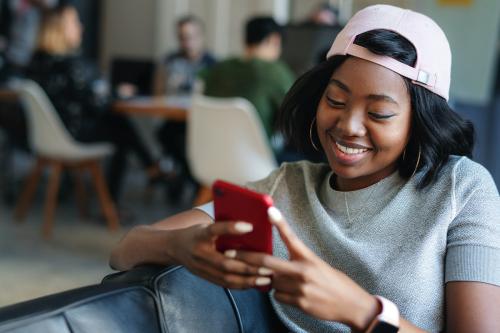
436	131
259	28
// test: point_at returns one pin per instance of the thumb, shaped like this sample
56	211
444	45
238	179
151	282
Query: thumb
295	246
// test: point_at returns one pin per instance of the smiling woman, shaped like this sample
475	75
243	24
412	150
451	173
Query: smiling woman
363	123
392	105
398	232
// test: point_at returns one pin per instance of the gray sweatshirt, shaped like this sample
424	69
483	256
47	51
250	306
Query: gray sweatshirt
392	239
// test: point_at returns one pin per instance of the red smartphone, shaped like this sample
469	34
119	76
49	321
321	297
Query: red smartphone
235	203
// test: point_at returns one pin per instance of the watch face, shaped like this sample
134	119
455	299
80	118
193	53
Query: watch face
384	328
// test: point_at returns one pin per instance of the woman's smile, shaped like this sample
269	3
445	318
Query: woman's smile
348	153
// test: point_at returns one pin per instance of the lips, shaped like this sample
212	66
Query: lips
349	150
349	153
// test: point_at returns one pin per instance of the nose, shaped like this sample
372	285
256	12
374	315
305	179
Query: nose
352	123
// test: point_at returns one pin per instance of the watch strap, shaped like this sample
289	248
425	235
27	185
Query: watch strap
387	320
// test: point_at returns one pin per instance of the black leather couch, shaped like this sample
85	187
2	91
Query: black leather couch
145	299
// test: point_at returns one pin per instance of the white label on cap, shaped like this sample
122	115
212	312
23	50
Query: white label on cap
423	77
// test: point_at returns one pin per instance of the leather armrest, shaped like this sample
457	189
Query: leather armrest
144	275
189	303
97	308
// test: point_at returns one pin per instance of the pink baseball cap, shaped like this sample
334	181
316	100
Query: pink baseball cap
433	65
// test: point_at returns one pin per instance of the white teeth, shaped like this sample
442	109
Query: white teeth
350	151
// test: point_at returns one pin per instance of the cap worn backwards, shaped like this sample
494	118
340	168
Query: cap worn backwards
432	69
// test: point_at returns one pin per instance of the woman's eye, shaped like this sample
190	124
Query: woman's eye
380	116
334	103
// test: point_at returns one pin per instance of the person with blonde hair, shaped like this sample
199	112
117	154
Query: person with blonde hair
19	24
80	96
60	32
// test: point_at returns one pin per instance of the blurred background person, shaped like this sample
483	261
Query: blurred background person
81	97
258	75
20	20
324	14
176	77
177	73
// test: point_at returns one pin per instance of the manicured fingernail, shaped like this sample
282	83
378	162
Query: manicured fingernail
230	254
264	271
262	281
243	227
274	215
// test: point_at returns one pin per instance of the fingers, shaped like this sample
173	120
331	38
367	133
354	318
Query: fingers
223	270
229	264
292	242
229	280
291	299
287	276
232	228
264	260
228	271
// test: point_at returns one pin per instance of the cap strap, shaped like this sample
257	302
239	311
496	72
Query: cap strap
417	75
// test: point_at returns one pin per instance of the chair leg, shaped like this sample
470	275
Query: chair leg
51	198
204	195
28	192
81	196
107	204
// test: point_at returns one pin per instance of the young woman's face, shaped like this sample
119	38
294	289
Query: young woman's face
363	122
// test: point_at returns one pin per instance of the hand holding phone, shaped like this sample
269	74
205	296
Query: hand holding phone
235	203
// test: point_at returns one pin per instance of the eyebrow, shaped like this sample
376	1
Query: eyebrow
374	97
340	85
384	98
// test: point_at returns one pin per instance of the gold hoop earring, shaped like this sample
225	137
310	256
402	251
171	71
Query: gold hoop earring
310	134
418	160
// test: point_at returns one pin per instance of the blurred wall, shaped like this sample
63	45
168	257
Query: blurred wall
473	32
89	11
148	30
128	29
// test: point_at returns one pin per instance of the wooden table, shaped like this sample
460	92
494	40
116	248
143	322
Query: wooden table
171	107
8	95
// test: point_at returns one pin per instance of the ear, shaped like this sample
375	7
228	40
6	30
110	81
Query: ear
274	39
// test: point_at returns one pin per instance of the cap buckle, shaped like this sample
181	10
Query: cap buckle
423	77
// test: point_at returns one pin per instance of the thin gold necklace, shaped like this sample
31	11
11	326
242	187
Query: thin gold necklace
363	206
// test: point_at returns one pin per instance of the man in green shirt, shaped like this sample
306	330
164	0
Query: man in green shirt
258	75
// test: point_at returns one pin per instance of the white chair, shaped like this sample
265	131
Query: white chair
226	140
56	149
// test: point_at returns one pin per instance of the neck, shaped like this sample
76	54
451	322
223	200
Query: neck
193	56
354	184
258	52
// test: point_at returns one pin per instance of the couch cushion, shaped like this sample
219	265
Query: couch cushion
192	304
256	312
101	308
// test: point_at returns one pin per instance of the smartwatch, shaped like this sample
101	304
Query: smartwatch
387	321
